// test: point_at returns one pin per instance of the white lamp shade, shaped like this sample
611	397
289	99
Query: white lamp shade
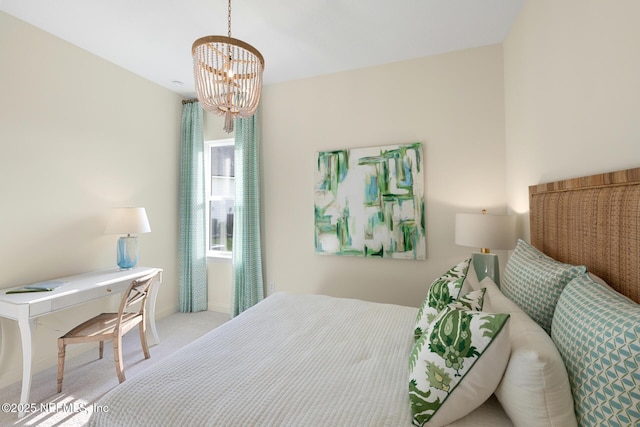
486	231
128	221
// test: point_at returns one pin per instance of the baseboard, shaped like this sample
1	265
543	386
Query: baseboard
160	314
220	308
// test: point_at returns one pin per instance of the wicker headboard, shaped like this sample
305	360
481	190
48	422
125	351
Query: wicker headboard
592	221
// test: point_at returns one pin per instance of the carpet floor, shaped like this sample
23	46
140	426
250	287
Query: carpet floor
87	378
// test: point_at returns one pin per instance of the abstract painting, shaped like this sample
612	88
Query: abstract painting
369	202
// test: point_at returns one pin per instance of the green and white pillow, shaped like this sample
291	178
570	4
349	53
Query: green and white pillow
474	300
597	332
442	292
457	364
535	281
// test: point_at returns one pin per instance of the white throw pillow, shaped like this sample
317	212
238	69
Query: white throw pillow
535	389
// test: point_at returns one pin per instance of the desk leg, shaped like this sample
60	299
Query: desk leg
151	306
26	333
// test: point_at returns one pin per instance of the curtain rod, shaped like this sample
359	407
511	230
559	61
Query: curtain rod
189	101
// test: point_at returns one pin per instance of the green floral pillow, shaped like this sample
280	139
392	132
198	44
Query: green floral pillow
442	292
474	300
457	364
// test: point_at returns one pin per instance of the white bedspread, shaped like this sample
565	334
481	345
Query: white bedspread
292	360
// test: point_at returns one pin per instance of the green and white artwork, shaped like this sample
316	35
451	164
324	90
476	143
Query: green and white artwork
369	202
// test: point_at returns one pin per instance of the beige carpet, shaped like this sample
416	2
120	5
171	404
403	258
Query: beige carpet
87	378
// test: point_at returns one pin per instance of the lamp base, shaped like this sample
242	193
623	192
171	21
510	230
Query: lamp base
127	252
486	265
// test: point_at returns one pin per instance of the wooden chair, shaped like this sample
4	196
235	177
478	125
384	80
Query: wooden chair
112	326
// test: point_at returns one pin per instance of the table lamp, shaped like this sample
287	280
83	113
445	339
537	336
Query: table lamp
486	231
129	221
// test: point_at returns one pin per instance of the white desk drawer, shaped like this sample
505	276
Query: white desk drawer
87	295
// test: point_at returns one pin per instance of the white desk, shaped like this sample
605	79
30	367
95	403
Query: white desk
82	288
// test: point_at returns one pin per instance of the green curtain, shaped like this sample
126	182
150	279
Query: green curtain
192	257
247	258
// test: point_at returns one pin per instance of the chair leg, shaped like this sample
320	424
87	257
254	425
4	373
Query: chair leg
143	340
101	349
61	354
117	355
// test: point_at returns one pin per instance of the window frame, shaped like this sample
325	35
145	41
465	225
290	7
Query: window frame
208	145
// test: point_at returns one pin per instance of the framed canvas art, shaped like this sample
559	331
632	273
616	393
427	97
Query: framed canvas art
369	202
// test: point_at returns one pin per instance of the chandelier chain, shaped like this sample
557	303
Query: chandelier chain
229	17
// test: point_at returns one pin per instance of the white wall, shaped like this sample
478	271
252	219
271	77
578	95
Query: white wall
79	135
572	93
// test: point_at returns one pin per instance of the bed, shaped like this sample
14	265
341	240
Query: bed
313	360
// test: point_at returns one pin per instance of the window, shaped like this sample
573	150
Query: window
220	190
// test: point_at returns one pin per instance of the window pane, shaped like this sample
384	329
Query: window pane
222	186
221	196
222	160
221	226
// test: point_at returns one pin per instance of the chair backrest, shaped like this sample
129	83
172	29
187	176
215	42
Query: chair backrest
138	291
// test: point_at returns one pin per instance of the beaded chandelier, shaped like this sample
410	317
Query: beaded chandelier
228	75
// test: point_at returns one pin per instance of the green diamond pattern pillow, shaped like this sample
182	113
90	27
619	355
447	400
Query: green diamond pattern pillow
457	364
597	332
442	292
534	281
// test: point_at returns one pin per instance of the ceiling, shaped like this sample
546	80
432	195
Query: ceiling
298	38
